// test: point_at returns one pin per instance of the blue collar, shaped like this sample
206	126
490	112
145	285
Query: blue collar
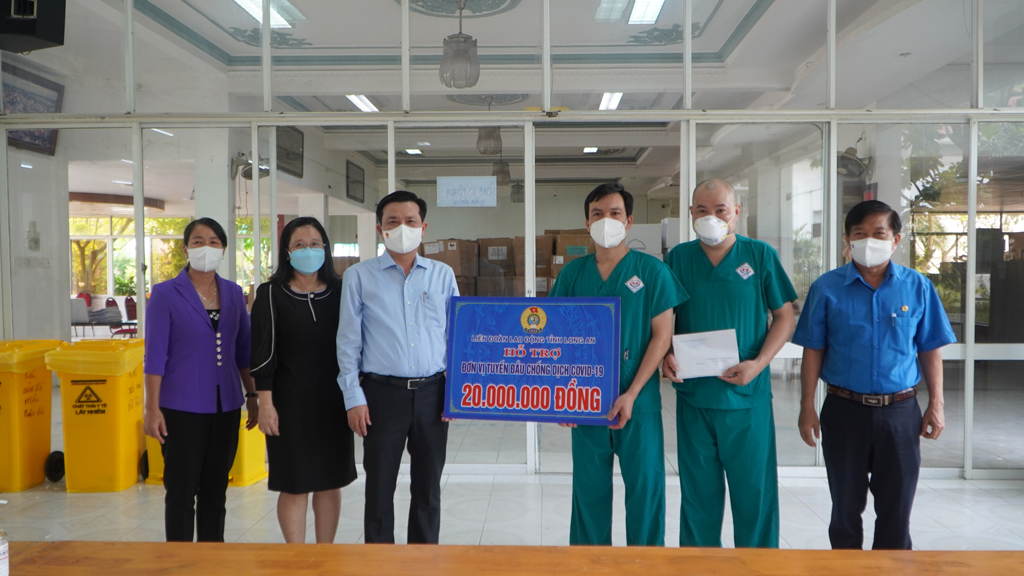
386	261
853	273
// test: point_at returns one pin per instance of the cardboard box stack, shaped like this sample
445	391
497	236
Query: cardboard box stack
467	285
545	249
497	257
494	286
461	255
496	267
569	245
543	286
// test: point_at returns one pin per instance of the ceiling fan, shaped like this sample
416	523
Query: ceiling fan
243	162
848	164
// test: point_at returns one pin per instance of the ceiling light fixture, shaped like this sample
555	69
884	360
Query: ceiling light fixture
23	165
122	182
488	140
423	143
413	151
645	11
127	161
610	100
590	150
500	171
518	195
159	131
255	9
460	65
610	10
362	102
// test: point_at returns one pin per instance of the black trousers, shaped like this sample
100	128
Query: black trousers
198	453
876	449
400	418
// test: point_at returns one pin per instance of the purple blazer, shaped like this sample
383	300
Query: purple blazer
182	347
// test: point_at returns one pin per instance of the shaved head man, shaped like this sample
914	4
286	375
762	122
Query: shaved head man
724	423
714	191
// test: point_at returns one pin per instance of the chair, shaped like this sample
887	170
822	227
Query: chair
130	311
111	303
79	315
87	297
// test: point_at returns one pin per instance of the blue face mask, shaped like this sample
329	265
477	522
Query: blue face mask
307	260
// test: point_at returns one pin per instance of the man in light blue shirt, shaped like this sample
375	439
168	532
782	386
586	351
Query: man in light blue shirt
865	328
392	345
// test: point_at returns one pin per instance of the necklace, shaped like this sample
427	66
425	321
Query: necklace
208	302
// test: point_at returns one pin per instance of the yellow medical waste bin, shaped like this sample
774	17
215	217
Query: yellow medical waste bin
250	460
25	408
101	396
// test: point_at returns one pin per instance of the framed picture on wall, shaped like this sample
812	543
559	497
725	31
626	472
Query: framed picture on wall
355	183
289	150
27	93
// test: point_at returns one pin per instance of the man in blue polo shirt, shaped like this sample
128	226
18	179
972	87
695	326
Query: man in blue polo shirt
864	329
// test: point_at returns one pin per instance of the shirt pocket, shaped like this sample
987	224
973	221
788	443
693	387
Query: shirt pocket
434	309
902	332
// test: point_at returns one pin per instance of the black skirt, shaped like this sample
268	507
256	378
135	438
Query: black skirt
294	356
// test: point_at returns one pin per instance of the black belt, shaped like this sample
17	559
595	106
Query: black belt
407	383
872	399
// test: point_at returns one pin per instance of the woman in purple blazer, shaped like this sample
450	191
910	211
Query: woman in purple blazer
197	360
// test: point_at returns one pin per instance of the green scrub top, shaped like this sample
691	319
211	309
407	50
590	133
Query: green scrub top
646	288
738	293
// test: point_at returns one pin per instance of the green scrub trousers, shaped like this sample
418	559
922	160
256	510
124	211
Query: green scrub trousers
735	444
640	446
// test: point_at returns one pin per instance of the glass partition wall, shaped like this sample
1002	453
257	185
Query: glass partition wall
920	106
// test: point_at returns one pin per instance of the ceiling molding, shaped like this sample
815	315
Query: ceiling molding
474	8
436	8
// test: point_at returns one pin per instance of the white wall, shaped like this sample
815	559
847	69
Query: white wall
555	211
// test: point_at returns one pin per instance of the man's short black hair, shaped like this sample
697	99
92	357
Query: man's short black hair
862	211
607	190
400	196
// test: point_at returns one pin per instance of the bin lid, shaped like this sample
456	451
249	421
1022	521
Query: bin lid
24	355
108	343
112	359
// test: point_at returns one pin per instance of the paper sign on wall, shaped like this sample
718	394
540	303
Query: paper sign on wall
467	191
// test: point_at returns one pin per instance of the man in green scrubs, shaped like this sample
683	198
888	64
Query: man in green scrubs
725	425
648	293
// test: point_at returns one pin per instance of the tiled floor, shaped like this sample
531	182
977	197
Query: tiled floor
521	509
518	510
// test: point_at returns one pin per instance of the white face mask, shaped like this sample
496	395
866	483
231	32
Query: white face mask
205	258
712	230
402	239
871	252
608	232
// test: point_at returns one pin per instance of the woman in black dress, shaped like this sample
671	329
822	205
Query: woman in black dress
295	364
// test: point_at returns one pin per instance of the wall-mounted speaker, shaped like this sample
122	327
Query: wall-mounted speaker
27	25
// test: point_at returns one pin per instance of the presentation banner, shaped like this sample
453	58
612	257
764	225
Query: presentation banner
533	359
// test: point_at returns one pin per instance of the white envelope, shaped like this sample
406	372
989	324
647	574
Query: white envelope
705	353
